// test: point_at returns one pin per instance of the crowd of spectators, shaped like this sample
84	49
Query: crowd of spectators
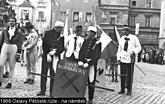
152	55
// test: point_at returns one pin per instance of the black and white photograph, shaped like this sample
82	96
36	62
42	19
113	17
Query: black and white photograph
82	51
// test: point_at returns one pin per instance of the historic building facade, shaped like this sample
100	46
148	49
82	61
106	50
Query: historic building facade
144	12
43	14
6	11
147	13
80	12
38	12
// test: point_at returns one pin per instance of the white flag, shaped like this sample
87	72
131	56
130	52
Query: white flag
66	29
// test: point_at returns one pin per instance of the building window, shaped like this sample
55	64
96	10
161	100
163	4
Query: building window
88	17
40	15
41	0
149	3
25	14
112	20
148	21
63	15
133	3
103	15
75	16
81	17
132	20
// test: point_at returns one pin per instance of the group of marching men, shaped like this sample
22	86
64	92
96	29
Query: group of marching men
85	51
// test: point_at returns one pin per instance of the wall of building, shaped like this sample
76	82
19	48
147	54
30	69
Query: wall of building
148	35
115	2
155	21
83	6
33	14
140	18
162	26
143	3
156	4
43	25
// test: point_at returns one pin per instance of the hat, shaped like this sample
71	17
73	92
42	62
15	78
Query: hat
28	24
79	26
92	28
126	27
11	17
59	24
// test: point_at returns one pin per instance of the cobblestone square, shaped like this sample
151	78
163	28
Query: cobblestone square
148	89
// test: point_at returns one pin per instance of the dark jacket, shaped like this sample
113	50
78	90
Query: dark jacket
53	40
90	50
16	39
1	40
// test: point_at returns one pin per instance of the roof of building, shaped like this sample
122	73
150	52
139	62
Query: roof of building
26	3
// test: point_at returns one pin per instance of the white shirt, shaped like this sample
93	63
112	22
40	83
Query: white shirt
133	46
11	32
70	45
32	39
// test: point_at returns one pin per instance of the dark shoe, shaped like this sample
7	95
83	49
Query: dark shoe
6	75
51	96
8	85
90	102
0	84
31	81
121	92
27	81
41	93
129	93
112	80
116	81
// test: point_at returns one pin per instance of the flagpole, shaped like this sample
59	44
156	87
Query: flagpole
51	14
52	77
140	69
117	33
65	34
117	46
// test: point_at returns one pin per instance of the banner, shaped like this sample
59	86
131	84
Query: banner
137	28
70	80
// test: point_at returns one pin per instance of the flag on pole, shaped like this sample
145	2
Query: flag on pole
117	34
65	34
94	19
137	28
109	47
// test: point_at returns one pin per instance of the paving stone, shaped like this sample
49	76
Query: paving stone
148	89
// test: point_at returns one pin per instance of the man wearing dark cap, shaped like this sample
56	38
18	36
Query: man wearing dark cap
74	44
129	46
30	49
53	46
12	38
88	56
